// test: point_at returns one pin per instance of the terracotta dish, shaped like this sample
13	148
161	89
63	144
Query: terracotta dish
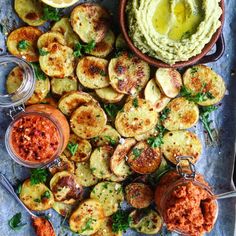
217	40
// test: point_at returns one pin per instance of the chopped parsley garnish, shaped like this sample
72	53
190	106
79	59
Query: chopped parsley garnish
18	189
38	72
157	141
137	152
135	102
38	176
112	109
105	185
46	194
205	119
37	200
15	222
81	49
73	147
102	73
164	114
193	70
42	52
88	225
111	141
120	221
51	13
23	45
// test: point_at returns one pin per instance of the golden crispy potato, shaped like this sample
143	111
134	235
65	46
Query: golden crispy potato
137	117
181	143
50	37
138	195
58	60
63	26
169	80
83	149
71	100
62	208
150	133
30	11
201	78
89	212
37	197
120	43
88	121
22	42
103	48
144	159
65	187
183	114
106	229
92	72
100	162
90	21
118	160
109	136
109	95
62	86
128	74
153	94
85	175
14	79
115	178
146	222
109	194
64	165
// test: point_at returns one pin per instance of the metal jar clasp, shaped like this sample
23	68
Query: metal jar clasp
185	167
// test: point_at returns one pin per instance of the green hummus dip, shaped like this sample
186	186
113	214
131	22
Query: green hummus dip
172	30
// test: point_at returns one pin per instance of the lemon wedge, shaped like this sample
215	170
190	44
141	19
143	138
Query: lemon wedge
60	3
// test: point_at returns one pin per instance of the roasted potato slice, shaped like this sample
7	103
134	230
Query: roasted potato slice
14	79
120	43
57	61
100	162
62	208
64	165
103	48
146	222
88	121
144	159
118	160
181	143
71	100
183	114
106	229
82	151
150	133
109	95
109	136
63	26
153	94
90	21
109	194
30	11
169	80
128	74
50	37
37	197
115	178
22	42
138	195
62	86
137	117
65	187
92	72
201	78
85	175
89	212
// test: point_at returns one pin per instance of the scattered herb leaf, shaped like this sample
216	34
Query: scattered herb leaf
18	189
15	222
38	72
88	225
111	141
38	176
137	152
81	49
193	70
157	141
51	13
46	194
102	73
164	114
135	102
73	147
43	52
37	200
120	221
23	45
112	109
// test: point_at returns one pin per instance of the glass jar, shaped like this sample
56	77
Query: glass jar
38	134
185	202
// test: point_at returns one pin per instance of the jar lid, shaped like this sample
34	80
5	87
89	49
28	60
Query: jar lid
12	95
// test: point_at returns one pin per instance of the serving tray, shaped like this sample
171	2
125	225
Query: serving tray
216	162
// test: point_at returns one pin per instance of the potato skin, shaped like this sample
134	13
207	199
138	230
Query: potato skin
148	161
139	195
90	21
30	35
14	79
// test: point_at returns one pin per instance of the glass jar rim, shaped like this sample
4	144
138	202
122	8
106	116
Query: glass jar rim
27	163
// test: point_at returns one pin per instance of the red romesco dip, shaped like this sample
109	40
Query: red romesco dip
34	138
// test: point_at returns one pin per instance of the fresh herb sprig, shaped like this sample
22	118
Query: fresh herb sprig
38	72
164	114
38	176
42	52
23	45
88	225
73	147
120	221
111	141
205	119
137	152
81	49
112	109
51	13
15	222
157	141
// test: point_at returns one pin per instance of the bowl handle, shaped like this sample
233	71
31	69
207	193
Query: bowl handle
220	48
